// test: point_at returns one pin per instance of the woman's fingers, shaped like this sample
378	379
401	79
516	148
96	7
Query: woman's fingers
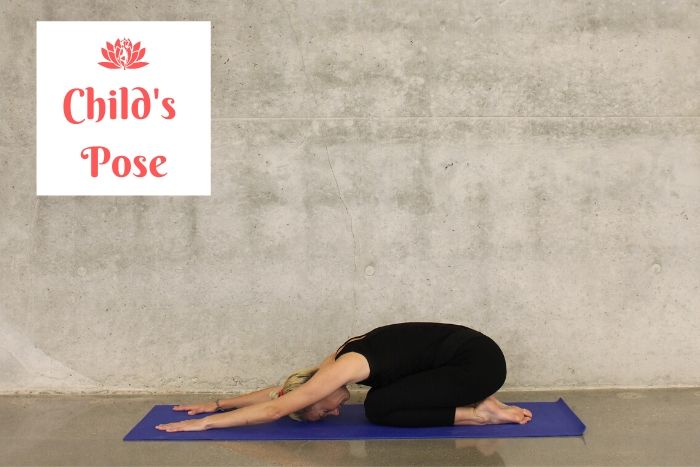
182	407
185	425
170	427
193	409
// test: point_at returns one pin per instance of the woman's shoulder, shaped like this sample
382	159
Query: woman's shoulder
327	361
355	365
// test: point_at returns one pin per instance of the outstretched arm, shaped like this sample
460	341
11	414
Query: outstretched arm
252	398
237	402
323	383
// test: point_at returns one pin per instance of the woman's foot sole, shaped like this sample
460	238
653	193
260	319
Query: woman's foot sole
491	411
495	412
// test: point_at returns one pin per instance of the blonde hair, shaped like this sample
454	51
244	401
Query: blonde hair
292	382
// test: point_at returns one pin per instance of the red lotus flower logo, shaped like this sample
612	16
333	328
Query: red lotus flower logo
123	55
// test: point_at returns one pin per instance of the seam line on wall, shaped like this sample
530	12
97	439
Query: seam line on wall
456	117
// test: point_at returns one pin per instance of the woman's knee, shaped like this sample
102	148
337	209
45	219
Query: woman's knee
497	368
375	410
375	416
490	368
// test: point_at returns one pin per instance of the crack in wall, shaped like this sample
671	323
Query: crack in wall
328	159
354	241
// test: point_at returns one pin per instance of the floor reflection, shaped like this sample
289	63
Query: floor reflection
371	452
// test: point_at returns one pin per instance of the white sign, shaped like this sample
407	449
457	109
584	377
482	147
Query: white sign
123	108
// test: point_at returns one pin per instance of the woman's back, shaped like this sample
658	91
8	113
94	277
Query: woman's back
397	350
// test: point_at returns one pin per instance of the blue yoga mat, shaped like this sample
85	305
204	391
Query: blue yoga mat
548	419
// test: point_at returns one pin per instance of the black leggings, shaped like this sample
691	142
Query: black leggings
429	398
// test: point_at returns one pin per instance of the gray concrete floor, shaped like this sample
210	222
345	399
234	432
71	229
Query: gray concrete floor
624	427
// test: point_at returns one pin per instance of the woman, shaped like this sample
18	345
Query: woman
421	374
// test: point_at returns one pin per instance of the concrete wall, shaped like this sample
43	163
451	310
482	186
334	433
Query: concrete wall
527	168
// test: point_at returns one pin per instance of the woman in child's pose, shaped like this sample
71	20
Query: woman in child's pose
421	374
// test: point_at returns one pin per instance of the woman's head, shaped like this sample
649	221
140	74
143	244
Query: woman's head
327	406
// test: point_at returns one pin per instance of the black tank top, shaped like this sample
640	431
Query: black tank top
398	350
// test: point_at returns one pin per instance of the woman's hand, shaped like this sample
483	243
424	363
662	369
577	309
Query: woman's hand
194	409
197	424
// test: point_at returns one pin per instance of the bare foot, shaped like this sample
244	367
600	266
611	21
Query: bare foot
493	412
